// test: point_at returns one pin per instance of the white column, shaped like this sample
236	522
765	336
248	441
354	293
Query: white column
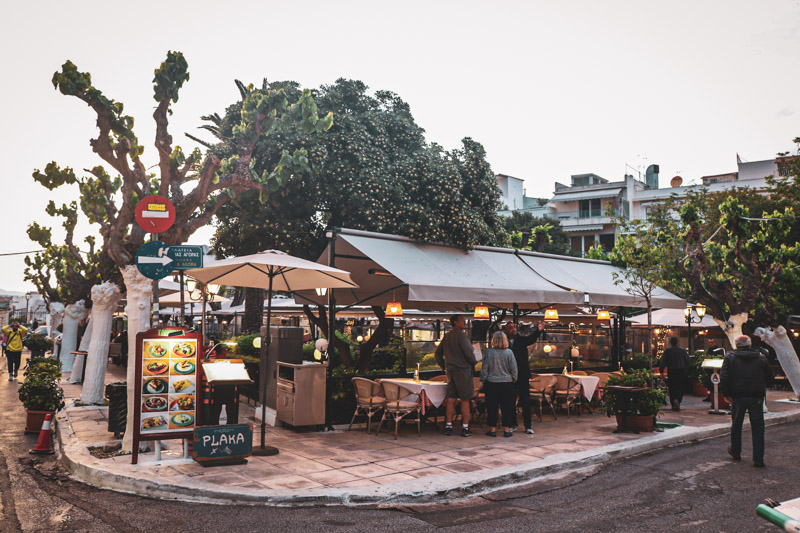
56	318
73	314
105	298
139	294
787	357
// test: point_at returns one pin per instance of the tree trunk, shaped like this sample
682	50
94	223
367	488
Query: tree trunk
733	327
650	335
787	357
56	318
73	314
139	294
322	323
366	348
80	361
253	310
105	298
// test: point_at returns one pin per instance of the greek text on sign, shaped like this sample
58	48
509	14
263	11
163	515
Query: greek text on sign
186	257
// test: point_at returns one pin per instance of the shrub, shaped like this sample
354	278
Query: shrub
647	402
38	343
40	390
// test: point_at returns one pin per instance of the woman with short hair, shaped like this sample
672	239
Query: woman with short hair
498	375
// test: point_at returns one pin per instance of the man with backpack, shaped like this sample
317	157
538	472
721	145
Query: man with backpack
14	335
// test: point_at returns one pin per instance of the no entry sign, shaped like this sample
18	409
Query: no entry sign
155	214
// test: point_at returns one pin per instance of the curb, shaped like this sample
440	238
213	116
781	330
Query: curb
82	465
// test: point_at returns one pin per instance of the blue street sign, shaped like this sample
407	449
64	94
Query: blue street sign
153	261
186	257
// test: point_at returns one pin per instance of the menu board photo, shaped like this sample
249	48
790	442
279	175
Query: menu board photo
169	385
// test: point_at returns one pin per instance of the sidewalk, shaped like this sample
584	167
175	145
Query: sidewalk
351	467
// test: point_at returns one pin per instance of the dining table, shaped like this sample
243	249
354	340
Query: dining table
588	383
432	392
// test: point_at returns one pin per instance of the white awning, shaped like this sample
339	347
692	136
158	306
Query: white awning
595	279
594	227
585	195
673	318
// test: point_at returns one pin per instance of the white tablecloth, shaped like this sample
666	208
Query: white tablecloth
435	391
589	383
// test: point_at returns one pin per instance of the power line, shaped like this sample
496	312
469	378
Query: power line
22	253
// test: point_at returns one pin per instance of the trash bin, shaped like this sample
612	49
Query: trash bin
117	394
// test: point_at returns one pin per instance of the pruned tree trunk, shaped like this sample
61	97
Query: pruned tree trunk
105	298
366	348
56	318
787	357
80	360
322	323
139	294
73	314
253	310
733	327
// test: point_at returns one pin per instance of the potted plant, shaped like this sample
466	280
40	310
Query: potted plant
643	407
40	393
38	344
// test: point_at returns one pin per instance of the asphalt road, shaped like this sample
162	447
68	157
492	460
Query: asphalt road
694	488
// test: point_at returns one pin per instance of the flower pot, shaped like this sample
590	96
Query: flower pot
35	419
637	422
722	403
699	390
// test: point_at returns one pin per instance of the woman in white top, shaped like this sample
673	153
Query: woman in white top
498	375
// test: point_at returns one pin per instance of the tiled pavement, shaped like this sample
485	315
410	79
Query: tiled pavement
312	463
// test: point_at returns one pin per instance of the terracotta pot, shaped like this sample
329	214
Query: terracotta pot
35	419
722	402
699	390
638	422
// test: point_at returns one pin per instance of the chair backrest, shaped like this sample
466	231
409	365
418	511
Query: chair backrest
590	372
579	373
567	384
603	377
477	384
366	388
114	348
394	392
543	383
441	377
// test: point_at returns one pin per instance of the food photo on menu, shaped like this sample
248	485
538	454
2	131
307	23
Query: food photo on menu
154	403
154	348
154	367
154	386
152	422
181	420
182	384
182	367
184	349
181	402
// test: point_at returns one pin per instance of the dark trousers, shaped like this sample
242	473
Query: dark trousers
754	406
677	381
523	388
14	359
502	394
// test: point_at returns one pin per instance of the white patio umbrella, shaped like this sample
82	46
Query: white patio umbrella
275	271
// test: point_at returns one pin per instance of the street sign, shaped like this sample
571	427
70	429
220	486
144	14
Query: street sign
153	261
186	257
715	378
155	214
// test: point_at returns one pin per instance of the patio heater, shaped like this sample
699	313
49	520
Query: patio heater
699	311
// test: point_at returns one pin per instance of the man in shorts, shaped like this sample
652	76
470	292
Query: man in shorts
454	354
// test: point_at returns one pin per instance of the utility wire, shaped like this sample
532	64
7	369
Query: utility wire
21	253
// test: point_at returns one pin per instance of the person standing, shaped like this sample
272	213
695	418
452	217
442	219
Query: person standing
676	361
14	335
519	346
715	349
744	379
454	354
498	375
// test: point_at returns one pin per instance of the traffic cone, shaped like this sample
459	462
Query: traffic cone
43	444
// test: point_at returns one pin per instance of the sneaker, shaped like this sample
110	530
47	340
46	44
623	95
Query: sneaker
491	433
465	432
507	433
513	429
529	431
11	377
447	431
736	456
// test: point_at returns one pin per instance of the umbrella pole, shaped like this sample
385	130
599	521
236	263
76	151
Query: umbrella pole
264	449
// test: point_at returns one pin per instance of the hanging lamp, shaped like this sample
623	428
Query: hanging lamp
551	314
394	309
603	314
481	313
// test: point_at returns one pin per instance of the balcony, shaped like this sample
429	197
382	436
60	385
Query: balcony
584	217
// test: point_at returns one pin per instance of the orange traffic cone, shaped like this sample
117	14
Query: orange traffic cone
43	444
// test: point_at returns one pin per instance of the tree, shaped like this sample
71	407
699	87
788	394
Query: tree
373	170
537	234
109	201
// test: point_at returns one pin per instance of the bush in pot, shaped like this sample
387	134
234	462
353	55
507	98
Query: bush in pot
40	393
38	344
646	404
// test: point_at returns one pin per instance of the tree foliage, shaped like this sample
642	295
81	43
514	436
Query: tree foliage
537	234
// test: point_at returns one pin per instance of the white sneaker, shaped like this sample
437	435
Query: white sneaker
10	377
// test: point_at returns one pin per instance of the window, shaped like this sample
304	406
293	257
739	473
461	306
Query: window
589	208
607	242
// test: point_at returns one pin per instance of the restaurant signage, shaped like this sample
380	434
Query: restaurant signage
186	257
155	214
215	445
153	260
165	382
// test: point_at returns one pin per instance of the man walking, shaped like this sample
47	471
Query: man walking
519	345
743	380
676	361
454	354
14	335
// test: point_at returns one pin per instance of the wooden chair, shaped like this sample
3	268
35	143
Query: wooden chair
400	402
541	393
567	392
579	373
369	399
441	377
115	352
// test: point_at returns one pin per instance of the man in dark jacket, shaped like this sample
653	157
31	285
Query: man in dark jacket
676	361
519	345
744	378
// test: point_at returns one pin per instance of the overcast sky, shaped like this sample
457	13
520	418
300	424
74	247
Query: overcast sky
549	88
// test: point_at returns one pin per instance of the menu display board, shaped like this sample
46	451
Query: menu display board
166	384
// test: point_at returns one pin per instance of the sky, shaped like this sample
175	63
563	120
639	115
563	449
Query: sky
550	89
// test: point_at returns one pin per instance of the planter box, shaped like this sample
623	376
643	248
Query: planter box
35	419
699	390
638	422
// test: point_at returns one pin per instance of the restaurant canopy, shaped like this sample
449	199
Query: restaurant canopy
436	276
673	318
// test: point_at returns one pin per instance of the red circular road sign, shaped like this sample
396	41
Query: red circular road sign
155	214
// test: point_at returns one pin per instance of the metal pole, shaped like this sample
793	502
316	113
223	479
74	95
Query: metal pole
203	317
264	449
689	331
331	333
183	310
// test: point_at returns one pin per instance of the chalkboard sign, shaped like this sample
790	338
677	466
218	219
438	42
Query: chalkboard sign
222	444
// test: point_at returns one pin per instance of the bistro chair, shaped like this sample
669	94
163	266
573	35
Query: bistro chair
369	399
441	377
541	393
400	402
579	373
567	392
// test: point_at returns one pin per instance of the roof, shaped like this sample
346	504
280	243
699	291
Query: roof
590	194
436	276
672	318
